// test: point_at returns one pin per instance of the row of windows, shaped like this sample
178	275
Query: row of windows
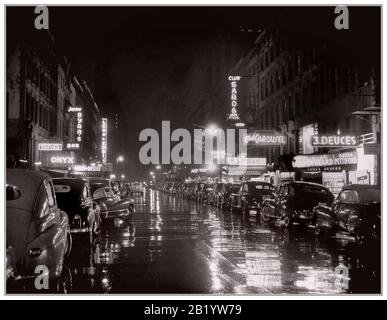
40	80
40	114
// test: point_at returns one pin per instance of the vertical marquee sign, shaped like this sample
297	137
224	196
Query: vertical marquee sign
79	131
234	98
104	140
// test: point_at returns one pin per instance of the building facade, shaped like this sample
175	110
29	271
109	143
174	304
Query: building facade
43	130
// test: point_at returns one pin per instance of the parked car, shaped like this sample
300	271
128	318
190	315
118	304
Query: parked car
137	189
356	211
74	197
295	202
189	190
37	230
223	192
207	194
251	195
112	205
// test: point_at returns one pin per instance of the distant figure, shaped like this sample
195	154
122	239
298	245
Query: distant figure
13	161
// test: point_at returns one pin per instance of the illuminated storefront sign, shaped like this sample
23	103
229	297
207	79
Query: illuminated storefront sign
334	181
72	146
235	161
74	109
266	138
79	130
305	138
247	171
50	146
104	140
325	160
234	98
62	160
85	168
334	141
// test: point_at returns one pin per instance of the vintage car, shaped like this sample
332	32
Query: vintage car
74	197
37	232
207	194
112	205
356	211
137	189
251	195
189	190
295	202
223	192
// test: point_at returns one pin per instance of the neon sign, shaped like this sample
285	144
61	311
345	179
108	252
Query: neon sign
72	146
62	160
334	141
79	131
234	98
266	138
325	160
50	147
104	140
85	168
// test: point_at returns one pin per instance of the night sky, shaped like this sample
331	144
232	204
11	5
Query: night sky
127	54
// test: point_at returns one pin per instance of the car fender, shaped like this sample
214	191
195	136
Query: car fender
324	215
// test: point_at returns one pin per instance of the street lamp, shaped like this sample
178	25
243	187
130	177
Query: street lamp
120	159
151	173
158	167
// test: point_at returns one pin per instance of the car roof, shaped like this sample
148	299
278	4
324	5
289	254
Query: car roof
361	186
70	181
260	182
29	183
304	183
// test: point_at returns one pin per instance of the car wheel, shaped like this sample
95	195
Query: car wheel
264	214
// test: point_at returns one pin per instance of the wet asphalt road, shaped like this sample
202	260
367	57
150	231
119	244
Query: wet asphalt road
172	245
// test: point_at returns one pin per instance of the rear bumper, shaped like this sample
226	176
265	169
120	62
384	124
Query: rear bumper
119	213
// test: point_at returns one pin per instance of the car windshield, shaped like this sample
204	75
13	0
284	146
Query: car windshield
261	188
68	195
360	196
316	193
97	185
232	188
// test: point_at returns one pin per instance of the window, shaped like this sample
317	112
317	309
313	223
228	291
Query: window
50	193
262	91
277	80
36	110
290	70
333	83
349	196
53	122
284	190
284	78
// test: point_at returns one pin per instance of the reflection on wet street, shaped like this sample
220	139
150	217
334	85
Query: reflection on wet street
173	245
